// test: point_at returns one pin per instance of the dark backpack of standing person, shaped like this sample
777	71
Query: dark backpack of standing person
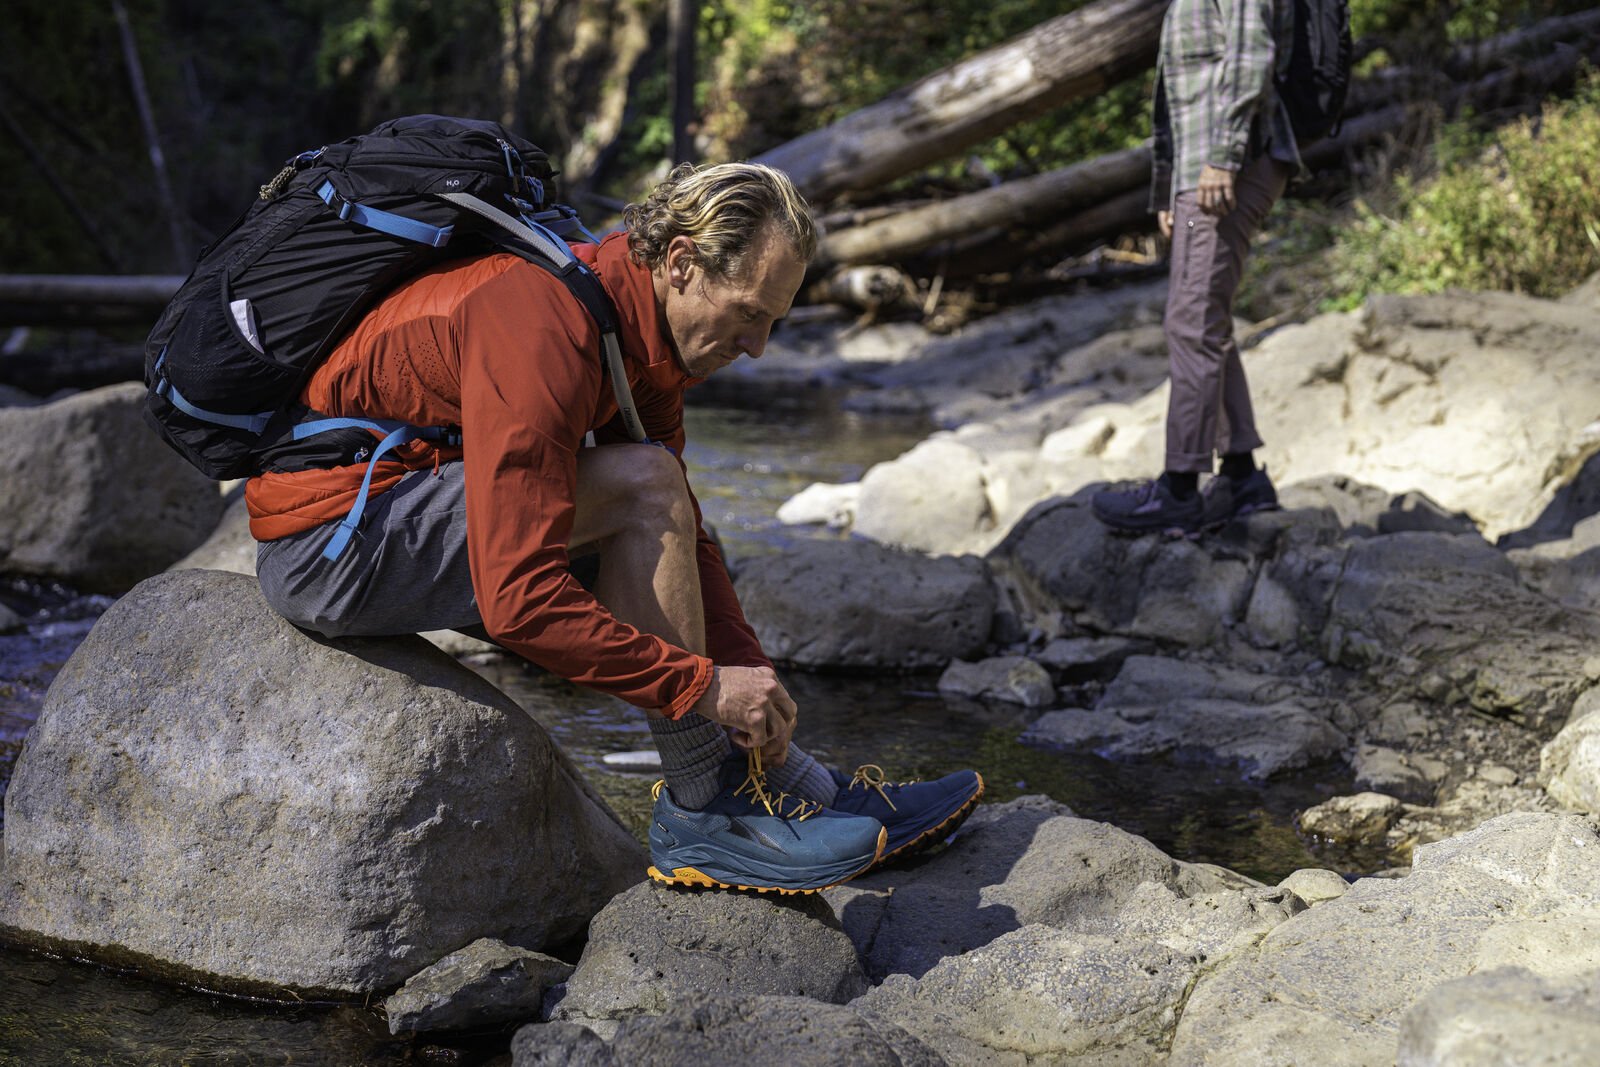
338	228
1314	86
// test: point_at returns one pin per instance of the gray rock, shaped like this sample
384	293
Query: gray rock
1333	984
1505	1016
94	498
1060	559
1386	770
653	947
1080	659
230	546
712	1028
856	604
12	397
485	984
1421	513
1013	679
1195	711
211	788
1314	885
1360	819
1407	604
1025	862
1569	765
1357	506
9	620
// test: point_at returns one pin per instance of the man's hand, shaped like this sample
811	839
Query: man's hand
1164	221
1215	192
753	704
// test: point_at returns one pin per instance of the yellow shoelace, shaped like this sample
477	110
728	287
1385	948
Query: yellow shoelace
756	784
870	776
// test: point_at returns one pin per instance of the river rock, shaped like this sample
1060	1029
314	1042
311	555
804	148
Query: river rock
1081	659
858	604
230	546
1332	985
933	498
1012	679
654	946
1314	885
485	984
1410	604
1024	862
1569	766
210	788
1196	711
820	503
1418	512
1505	1016
1061	560
93	497
1386	770
701	1028
1360	819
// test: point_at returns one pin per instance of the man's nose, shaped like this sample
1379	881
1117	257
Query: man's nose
755	342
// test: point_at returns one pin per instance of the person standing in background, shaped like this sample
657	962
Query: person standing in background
1223	152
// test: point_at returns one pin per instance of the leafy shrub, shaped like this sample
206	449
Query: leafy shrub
1521	212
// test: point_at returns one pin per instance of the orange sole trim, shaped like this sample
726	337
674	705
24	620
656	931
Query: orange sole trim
936	833
694	878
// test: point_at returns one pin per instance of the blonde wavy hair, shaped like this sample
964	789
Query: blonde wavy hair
724	209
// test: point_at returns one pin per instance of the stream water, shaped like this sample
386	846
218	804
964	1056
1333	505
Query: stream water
751	449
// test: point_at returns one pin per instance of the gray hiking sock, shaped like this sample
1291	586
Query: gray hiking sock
692	751
803	776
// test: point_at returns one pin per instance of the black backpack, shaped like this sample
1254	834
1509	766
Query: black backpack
1318	77
336	229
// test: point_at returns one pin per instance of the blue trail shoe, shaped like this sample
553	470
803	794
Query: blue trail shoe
915	814
1148	507
1226	499
751	838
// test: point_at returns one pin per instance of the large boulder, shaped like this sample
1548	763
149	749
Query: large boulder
1504	1016
1334	984
653	947
93	497
857	604
1569	766
209	788
934	498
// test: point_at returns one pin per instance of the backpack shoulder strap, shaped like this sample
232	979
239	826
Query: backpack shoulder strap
584	286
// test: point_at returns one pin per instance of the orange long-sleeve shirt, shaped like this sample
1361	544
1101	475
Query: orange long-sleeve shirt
500	348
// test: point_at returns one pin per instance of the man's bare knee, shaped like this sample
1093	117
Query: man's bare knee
630	488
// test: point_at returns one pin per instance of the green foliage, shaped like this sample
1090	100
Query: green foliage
1521	212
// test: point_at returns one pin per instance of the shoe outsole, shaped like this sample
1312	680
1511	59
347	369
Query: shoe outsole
694	878
935	834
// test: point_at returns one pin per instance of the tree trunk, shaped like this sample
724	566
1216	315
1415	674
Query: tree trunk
682	19
1056	62
1018	203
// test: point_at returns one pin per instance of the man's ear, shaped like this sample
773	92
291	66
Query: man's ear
680	262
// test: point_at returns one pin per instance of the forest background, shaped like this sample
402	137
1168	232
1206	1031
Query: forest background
235	89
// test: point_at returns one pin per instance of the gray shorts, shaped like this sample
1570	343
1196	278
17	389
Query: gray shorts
404	572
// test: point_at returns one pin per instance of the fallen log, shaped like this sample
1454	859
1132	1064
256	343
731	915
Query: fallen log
84	300
1065	59
1017	203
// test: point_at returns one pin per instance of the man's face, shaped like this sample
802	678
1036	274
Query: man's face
712	321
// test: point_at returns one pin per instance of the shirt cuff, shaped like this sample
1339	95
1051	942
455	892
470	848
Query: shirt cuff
704	670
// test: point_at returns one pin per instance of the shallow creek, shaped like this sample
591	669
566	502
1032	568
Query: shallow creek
750	451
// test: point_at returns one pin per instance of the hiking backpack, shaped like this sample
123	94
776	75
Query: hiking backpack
337	228
1314	85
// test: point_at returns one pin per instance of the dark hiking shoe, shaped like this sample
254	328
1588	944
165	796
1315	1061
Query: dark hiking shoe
915	814
1148	507
749	837
1226	499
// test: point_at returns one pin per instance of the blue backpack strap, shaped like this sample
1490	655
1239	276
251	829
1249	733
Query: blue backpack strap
385	221
396	434
255	424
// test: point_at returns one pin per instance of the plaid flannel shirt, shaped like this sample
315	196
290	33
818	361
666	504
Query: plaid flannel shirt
1215	99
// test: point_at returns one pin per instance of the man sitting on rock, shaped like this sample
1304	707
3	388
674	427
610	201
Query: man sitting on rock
483	534
1223	153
